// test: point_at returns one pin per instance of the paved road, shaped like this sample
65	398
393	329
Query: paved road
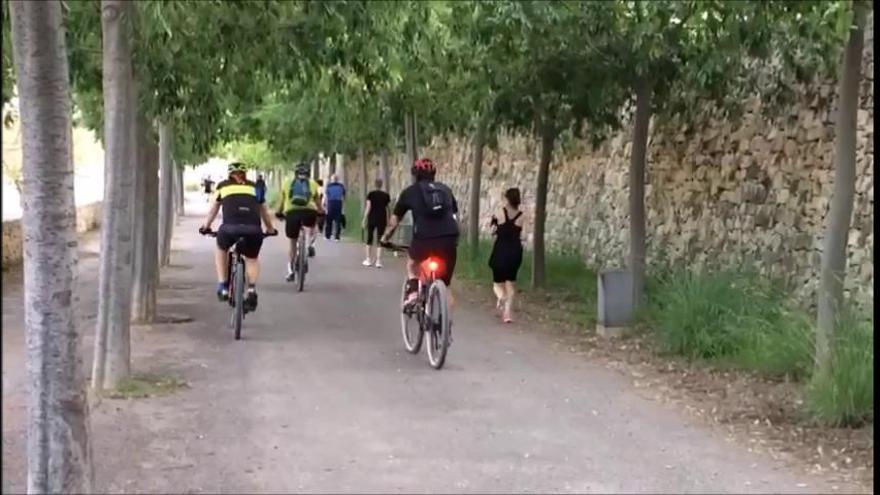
321	397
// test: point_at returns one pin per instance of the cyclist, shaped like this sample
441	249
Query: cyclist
242	212
299	207
435	226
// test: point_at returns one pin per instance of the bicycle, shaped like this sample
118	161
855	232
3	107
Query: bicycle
235	270
299	265
430	310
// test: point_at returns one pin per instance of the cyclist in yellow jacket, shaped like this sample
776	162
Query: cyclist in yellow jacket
299	208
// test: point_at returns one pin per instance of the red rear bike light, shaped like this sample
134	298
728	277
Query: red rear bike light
433	265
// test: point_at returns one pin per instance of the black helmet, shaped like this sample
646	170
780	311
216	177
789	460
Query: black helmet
303	169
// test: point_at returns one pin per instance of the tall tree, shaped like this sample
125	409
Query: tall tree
146	256
837	222
112	358
166	192
59	452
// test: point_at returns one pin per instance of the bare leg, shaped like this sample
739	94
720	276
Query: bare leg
367	252
378	255
498	289
252	268
220	264
508	303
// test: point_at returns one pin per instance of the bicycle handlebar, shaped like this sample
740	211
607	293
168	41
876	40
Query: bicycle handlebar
394	247
213	233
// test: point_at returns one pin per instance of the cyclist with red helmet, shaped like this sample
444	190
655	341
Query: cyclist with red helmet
435	225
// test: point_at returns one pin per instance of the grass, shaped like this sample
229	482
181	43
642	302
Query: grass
844	396
146	385
737	319
353	212
732	318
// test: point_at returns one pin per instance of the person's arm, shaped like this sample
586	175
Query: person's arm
267	218
282	195
366	214
212	214
400	209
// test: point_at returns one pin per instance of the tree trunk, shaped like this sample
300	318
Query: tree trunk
476	177
637	248
340	168
178	192
58	448
412	151
385	170
548	138
316	169
143	297
332	166
362	157
166	193
112	358
833	268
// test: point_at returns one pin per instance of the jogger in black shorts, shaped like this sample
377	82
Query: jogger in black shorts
375	220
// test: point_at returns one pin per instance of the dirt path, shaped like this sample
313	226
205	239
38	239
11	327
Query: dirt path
321	397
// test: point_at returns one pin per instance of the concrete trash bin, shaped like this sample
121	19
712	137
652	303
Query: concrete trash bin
616	308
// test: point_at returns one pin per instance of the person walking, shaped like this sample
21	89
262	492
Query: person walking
375	220
260	187
507	252
334	196
208	186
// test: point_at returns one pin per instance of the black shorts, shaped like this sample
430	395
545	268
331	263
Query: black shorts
227	234
377	228
444	248
296	219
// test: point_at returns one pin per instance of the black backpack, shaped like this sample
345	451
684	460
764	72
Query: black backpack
438	201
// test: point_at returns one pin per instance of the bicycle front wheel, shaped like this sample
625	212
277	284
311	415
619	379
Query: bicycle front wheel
438	324
238	286
410	326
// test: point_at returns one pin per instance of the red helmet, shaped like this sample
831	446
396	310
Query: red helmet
424	165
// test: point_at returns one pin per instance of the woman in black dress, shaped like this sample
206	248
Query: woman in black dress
507	252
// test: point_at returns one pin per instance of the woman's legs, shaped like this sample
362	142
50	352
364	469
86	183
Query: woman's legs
499	295
508	302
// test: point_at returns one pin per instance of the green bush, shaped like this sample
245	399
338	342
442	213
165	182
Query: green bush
844	396
731	317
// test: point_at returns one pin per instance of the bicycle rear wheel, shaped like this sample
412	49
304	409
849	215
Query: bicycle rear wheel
238	297
438	324
301	256
410	326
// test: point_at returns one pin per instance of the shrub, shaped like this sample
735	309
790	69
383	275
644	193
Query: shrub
844	396
732	317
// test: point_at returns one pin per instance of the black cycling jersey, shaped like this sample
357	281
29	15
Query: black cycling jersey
425	226
239	202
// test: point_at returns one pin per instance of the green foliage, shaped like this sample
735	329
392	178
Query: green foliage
732	318
8	68
256	154
844	396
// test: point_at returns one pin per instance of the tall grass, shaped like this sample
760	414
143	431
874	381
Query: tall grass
844	396
730	317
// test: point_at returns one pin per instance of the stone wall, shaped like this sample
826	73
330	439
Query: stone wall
88	217
755	193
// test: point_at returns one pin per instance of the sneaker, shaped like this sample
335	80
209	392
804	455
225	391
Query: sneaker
311	251
250	301
366	262
290	275
222	292
378	264
336	239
